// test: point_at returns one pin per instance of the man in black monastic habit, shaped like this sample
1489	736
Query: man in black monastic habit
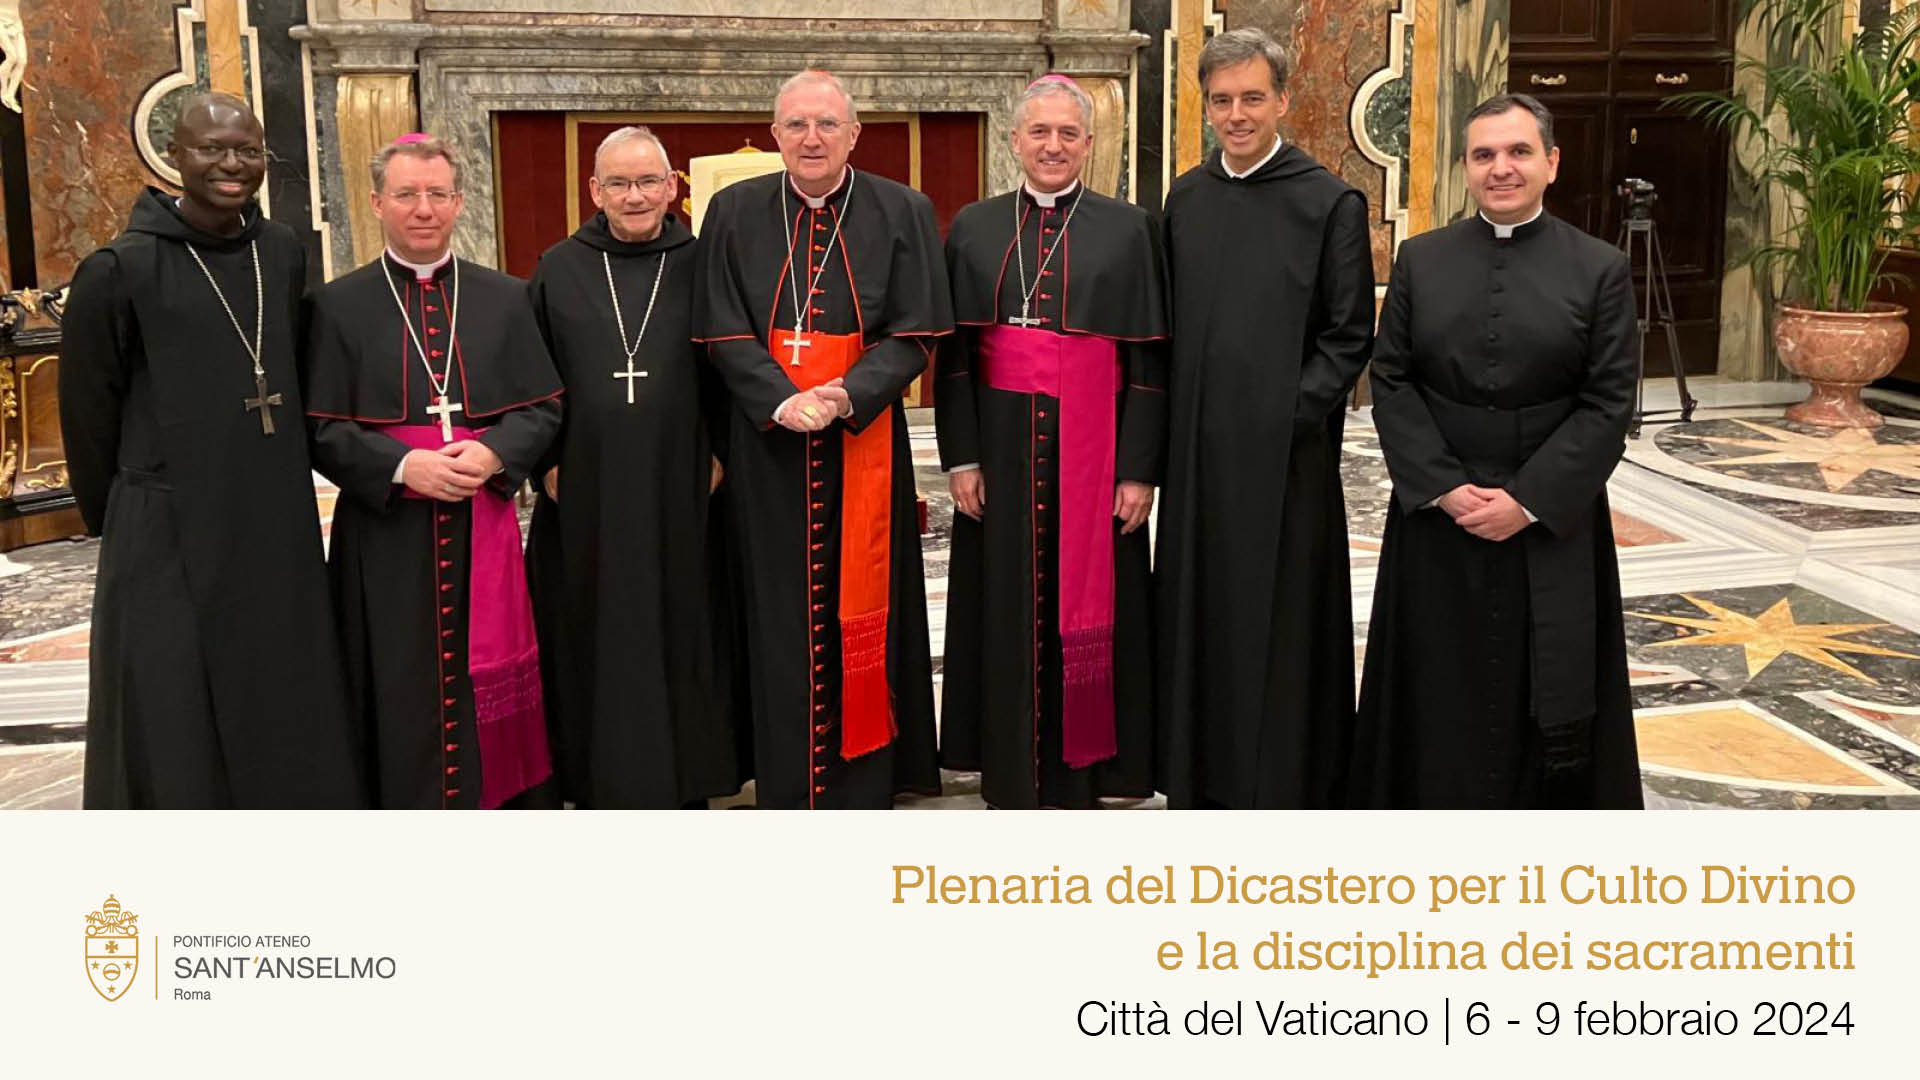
1052	398
1273	317
215	677
617	553
822	291
432	398
1503	378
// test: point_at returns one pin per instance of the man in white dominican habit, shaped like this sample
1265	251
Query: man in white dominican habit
431	399
822	291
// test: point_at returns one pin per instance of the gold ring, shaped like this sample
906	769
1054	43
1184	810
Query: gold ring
810	413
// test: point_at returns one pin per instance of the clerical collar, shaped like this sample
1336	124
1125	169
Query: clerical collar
1505	232
422	271
815	202
1257	166
1046	199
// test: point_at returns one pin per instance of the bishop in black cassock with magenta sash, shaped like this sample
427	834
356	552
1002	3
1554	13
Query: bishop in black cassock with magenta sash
1054	386
799	291
431	591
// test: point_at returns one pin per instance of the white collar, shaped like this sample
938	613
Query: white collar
422	271
1046	199
1258	165
1505	232
815	202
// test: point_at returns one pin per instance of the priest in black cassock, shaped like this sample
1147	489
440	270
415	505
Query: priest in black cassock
822	292
1052	411
432	398
214	674
1273	318
1503	378
617	552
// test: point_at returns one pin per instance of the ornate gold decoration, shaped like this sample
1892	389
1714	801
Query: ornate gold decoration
1105	165
373	110
113	949
1773	632
9	440
1841	458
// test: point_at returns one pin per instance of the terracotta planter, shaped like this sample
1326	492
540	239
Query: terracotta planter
1839	352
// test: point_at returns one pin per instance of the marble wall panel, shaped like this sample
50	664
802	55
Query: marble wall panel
88	63
1336	45
1034	10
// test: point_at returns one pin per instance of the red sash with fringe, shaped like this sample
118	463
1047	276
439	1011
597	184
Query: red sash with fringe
866	552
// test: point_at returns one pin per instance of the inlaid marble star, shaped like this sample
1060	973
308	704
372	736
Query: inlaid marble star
1775	631
1840	457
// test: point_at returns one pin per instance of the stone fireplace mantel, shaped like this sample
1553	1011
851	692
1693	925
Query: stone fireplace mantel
464	71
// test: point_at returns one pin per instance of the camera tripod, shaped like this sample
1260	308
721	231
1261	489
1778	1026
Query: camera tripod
1637	232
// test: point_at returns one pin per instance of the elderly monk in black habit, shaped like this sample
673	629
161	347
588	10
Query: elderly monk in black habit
215	676
823	290
617	554
1273	318
432	399
1503	378
1052	400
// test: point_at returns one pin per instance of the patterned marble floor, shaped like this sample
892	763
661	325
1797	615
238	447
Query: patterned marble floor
1771	574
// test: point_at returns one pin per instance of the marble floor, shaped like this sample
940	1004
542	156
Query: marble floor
1772	589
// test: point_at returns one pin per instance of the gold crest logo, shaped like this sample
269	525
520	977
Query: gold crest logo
113	949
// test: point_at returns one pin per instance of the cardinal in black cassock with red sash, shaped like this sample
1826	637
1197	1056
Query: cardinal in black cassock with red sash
1272	285
799	291
415	364
1504	372
1054	387
619	560
215	677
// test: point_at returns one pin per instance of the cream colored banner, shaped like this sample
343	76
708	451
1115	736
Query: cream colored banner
929	945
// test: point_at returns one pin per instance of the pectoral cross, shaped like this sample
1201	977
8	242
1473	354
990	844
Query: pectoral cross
630	375
796	343
263	401
445	411
1023	320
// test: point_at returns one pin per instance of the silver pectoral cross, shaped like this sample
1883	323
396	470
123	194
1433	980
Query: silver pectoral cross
263	401
1023	320
630	375
445	411
796	343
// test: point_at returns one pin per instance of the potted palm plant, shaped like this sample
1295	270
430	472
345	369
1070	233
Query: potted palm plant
1834	128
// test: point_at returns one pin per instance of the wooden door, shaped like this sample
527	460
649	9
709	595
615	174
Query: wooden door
1606	68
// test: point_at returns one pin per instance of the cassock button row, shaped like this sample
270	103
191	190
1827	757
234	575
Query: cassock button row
446	611
445	540
816	547
447	702
447	633
444	518
433	331
819	667
818	790
452	747
446	656
430	307
451	724
819	729
447	587
436	352
451	769
449	678
453	793
817	567
1042	414
818	769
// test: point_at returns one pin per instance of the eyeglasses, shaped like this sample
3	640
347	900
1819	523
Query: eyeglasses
436	197
617	186
210	153
797	128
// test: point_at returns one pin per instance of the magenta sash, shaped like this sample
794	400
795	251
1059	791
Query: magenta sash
1084	373
503	659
